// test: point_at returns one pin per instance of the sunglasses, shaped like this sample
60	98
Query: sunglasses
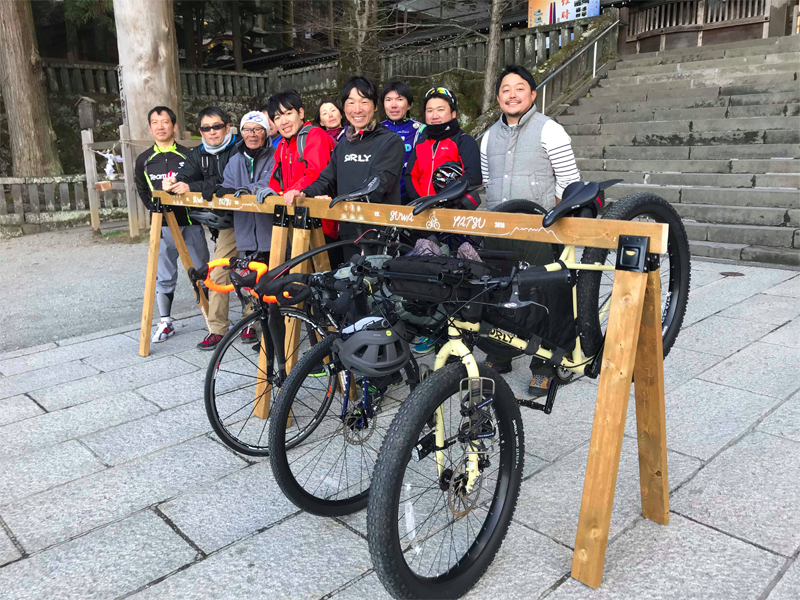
216	127
439	90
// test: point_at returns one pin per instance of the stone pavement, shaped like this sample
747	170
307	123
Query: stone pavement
112	486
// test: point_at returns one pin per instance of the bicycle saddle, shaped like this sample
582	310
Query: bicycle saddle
369	187
454	189
579	195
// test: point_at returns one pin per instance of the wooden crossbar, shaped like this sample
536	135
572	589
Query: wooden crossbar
596	233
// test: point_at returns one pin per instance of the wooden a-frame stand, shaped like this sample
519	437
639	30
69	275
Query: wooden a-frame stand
633	342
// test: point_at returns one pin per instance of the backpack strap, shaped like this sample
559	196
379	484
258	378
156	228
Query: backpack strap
302	139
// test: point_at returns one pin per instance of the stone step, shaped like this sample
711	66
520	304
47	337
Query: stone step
626	70
788	166
754	151
682	189
699	98
700	138
695	153
738	215
743	252
744	84
675	126
763	235
681	114
701	71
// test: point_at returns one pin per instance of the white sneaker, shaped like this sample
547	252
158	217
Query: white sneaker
163	331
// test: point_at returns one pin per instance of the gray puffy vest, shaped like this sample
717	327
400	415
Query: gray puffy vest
519	167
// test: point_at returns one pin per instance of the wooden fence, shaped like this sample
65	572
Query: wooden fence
525	46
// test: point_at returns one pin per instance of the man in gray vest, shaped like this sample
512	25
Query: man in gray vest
526	155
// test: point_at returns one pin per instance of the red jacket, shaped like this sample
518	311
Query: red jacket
291	173
429	155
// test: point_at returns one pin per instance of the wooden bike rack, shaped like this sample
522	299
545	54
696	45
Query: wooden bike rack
633	337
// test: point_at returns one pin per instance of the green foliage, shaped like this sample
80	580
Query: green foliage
81	12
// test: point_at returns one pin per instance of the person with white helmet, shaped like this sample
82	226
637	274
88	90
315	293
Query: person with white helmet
248	170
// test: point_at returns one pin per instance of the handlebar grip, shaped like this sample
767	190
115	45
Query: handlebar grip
539	277
221	289
275	287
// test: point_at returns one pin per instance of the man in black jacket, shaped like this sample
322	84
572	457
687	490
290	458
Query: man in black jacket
368	149
153	166
202	172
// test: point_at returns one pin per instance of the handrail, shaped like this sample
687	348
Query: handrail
577	54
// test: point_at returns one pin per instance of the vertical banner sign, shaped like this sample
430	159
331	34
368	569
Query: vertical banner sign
545	12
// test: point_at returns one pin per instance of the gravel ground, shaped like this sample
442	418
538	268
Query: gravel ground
65	283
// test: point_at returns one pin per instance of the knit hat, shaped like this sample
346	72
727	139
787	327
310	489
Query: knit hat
256	117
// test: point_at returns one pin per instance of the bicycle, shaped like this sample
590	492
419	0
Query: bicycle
448	475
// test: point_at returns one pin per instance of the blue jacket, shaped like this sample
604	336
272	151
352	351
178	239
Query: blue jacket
410	131
253	230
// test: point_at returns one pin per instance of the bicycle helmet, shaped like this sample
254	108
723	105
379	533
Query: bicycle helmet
445	173
213	219
375	349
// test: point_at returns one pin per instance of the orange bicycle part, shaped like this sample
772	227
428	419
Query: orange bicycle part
258	267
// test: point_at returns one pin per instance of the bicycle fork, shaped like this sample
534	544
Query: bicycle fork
455	346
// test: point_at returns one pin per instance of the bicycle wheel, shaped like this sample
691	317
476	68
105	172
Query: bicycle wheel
233	377
594	287
327	469
428	536
534	253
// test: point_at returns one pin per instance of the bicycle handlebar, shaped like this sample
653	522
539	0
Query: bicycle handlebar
285	291
204	274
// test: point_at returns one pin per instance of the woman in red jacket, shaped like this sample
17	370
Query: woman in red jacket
442	142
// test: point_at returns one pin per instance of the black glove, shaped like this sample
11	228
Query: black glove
208	193
240	191
224	191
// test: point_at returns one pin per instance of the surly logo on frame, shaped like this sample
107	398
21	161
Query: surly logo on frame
357	157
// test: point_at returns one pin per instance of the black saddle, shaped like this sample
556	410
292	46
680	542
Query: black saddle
362	192
580	198
454	189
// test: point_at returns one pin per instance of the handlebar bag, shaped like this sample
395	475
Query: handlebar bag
449	278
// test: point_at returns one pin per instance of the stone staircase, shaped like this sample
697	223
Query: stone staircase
714	130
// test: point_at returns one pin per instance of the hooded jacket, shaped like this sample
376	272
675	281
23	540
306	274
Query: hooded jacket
203	171
354	161
409	130
253	230
152	167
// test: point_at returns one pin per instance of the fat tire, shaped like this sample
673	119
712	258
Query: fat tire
382	513
626	209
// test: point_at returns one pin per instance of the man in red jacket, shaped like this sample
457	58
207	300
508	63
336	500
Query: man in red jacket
303	152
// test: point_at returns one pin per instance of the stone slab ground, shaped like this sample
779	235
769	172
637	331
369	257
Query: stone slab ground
112	485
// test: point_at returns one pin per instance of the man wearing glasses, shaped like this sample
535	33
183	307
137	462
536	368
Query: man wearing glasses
202	173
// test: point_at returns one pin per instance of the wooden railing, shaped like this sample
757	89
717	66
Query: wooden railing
35	203
672	16
524	46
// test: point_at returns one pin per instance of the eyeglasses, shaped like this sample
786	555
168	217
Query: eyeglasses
252	130
216	127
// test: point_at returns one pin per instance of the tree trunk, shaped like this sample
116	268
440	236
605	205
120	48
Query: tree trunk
331	25
199	24
236	30
288	19
32	140
493	53
358	46
148	55
73	45
187	12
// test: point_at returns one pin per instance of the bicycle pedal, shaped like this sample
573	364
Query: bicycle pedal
547	406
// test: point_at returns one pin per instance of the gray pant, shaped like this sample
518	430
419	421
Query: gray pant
195	238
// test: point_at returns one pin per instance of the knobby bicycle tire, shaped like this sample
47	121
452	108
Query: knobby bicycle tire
386	497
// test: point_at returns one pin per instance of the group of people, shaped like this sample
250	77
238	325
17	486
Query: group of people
279	151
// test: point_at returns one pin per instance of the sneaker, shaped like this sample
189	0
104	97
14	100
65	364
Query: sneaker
210	342
249	334
424	346
539	385
163	331
500	369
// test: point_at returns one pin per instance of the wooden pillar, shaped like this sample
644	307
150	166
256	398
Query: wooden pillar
131	196
301	241
186	259
150	284
89	163
627	299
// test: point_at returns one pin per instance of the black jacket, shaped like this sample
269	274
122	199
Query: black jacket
378	152
203	171
152	167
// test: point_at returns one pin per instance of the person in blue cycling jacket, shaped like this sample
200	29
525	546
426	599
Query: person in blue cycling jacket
397	100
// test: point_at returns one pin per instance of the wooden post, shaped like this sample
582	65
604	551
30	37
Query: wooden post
627	299
186	259
131	196
91	178
651	423
322	261
277	253
150	285
301	240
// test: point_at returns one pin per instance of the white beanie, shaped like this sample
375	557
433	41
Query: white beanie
255	117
